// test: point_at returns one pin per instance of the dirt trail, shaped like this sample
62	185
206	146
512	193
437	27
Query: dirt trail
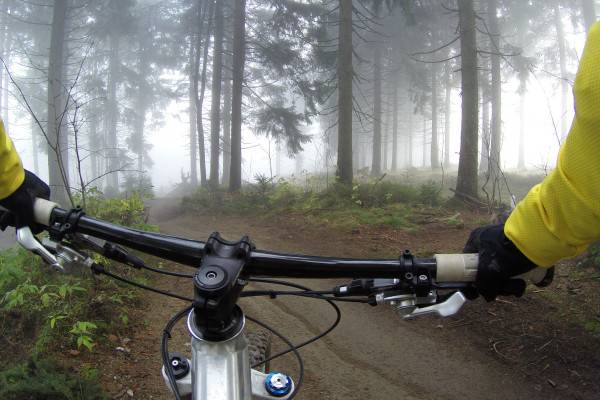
371	355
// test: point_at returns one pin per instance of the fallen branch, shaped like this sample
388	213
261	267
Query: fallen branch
471	200
542	347
494	346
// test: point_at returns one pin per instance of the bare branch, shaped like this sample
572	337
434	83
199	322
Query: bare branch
437	61
437	49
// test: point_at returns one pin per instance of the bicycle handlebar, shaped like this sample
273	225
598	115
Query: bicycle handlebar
445	268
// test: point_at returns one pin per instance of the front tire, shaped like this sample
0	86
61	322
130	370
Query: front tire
259	349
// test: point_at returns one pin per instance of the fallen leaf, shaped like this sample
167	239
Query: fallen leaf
123	349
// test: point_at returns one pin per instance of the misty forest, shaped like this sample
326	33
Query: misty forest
350	128
93	91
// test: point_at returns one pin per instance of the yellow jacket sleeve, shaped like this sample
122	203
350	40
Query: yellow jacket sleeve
11	169
560	217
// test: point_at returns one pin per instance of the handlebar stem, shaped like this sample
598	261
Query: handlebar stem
217	287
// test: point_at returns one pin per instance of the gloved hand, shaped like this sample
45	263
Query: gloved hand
20	203
499	261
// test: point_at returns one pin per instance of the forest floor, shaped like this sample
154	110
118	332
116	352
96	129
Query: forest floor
541	346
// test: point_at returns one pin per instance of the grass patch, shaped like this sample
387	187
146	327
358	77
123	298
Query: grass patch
395	216
380	203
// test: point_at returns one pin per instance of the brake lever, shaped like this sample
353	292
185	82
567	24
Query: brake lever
69	258
444	309
29	242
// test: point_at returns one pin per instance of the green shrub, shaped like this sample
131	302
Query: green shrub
11	267
430	194
52	305
67	310
136	183
128	211
379	194
285	196
336	195
46	380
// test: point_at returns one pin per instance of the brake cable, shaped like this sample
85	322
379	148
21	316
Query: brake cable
164	349
309	294
99	269
338	317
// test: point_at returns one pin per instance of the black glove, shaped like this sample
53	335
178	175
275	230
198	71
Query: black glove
20	203
499	261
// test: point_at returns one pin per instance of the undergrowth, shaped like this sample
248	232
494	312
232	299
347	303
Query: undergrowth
594	255
128	211
46	380
46	313
364	203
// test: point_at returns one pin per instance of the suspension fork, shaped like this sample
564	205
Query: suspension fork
220	370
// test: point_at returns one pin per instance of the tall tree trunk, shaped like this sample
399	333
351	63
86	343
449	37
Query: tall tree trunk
447	115
239	58
485	95
94	139
435	151
376	160
112	113
298	164
522	93
5	92
193	95
466	184
95	145
410	139
57	146
142	108
7	47
35	147
386	138
355	147
3	33
345	75
363	152
564	87
226	116
277	158
424	155
215	117
589	13
484	159
496	126
395	124
202	78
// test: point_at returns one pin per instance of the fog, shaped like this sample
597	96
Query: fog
124	83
